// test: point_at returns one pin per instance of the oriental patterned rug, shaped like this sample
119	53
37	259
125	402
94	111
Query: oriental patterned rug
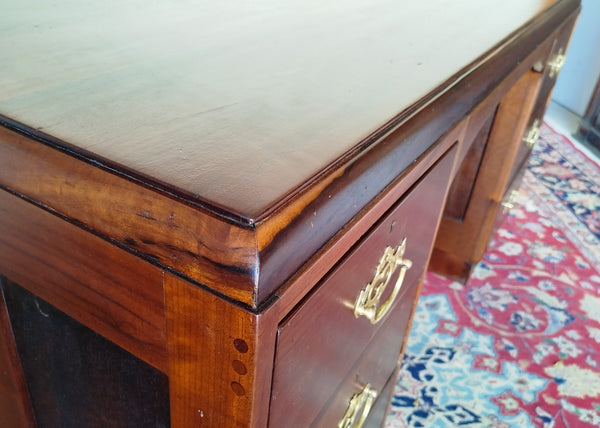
519	344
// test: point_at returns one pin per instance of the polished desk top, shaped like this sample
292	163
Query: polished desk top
235	104
230	141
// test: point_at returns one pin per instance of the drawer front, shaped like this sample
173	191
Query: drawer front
381	407
374	370
320	342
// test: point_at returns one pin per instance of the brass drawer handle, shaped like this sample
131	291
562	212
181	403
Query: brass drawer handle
509	203
534	133
363	400
556	64
367	303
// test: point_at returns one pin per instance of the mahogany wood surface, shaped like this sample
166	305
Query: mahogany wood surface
208	186
378	413
162	229
376	365
330	306
317	215
544	94
462	185
276	207
220	359
113	292
462	241
231	104
15	407
324	260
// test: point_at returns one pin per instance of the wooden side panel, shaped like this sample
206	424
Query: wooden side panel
202	243
105	288
319	343
15	407
218	376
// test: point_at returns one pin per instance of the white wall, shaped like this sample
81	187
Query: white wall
581	71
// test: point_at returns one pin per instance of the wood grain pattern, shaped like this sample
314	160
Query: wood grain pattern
303	354
105	288
15	407
220	360
205	248
395	146
244	251
376	365
217	99
180	188
323	260
505	139
562	36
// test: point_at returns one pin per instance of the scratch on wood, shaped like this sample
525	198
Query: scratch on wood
146	214
215	109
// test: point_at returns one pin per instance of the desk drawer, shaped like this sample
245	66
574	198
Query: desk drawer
321	341
373	371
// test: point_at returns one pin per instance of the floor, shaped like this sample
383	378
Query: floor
566	122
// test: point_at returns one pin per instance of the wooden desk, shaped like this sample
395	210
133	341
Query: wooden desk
221	215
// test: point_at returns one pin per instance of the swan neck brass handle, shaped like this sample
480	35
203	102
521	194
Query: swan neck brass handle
533	134
354	417
367	303
509	202
556	64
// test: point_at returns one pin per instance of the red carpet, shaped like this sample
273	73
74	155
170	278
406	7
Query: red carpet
519	344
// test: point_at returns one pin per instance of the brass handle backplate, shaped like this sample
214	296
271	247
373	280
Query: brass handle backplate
556	64
354	417
367	303
534	133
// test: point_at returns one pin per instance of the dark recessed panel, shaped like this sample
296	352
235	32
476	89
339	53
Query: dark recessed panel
76	378
461	188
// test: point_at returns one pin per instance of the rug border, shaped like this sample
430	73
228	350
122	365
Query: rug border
575	144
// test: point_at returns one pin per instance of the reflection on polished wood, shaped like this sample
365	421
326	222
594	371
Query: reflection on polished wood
208	187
